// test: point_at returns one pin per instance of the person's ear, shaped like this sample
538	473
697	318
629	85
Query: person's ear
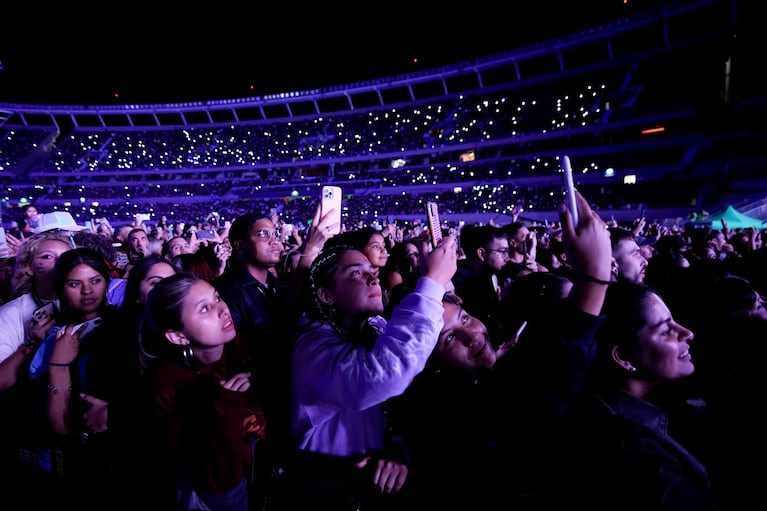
325	295
176	337
628	366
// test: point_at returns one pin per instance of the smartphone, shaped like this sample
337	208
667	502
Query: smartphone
520	329
5	251
331	199
570	190
435	227
87	326
43	311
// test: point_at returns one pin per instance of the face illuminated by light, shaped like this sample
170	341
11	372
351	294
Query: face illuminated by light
46	255
629	261
206	317
664	349
463	342
376	251
85	290
356	292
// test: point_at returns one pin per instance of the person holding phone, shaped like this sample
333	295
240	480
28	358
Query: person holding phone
347	361
32	282
523	250
478	419
371	242
621	422
74	395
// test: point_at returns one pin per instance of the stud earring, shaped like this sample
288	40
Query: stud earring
632	369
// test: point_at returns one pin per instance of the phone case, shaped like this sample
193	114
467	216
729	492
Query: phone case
41	312
570	190
89	326
331	199
435	227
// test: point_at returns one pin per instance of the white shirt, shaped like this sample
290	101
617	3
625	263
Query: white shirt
15	318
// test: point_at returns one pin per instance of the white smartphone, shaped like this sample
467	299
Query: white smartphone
43	311
570	190
435	227
331	199
87	326
520	329
4	249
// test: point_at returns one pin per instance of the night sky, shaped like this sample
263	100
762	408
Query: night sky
130	54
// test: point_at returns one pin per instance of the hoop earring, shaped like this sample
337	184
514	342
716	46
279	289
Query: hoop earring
187	354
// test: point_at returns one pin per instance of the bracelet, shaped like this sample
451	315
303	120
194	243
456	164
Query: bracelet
58	389
27	348
314	253
55	364
589	278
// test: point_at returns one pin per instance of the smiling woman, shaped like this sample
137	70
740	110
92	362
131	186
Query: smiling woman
619	425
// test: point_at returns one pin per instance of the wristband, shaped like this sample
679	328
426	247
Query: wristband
589	278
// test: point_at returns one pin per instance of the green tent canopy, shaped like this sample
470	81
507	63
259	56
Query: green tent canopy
734	219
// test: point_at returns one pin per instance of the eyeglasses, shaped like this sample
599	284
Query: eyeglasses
266	235
500	251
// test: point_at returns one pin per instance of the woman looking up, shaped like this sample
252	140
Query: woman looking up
347	362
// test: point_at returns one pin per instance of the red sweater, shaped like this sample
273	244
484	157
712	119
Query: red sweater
209	428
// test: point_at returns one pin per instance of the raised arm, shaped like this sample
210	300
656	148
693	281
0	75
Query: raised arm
589	253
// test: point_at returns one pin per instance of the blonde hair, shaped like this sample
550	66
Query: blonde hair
23	276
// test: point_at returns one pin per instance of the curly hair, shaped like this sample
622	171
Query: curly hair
23	277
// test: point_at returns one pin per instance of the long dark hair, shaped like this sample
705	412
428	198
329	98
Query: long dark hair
163	311
624	312
65	264
131	303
